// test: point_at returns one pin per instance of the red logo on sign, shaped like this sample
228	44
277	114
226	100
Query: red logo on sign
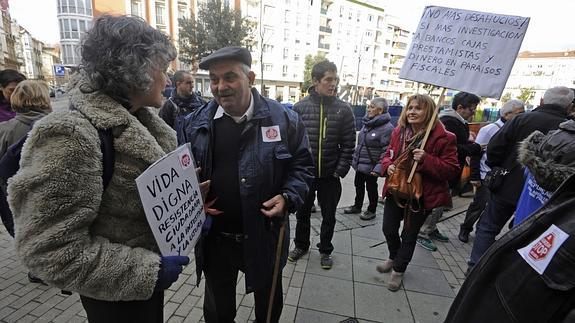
271	133
542	247
185	160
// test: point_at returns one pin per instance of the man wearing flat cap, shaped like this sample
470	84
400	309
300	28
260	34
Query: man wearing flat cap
256	155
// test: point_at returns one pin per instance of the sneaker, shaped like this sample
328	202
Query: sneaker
395	280
463	235
326	261
426	244
367	215
295	254
352	210
385	267
436	235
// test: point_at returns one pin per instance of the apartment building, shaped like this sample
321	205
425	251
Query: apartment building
286	32
541	71
8	39
368	47
29	53
75	17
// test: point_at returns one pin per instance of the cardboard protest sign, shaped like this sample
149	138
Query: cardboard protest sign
464	50
172	200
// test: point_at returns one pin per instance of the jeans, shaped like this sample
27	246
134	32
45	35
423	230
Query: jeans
400	248
476	207
430	223
496	214
363	182
328	194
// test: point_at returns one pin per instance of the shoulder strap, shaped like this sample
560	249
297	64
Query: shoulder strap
108	151
108	155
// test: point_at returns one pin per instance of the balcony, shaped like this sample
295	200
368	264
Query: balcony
323	46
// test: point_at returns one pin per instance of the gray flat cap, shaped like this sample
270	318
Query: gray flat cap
234	53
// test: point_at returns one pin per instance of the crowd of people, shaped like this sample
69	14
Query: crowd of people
71	202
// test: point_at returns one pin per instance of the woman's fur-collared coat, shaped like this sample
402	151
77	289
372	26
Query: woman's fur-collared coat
69	232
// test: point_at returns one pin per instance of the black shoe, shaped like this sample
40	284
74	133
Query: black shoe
352	210
463	235
367	215
35	279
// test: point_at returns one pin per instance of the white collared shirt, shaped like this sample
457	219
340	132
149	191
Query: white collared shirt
247	115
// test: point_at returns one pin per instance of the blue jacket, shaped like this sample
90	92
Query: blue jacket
266	169
372	142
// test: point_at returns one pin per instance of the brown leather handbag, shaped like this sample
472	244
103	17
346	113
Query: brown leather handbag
405	194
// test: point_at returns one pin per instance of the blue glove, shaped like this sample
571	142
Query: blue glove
170	269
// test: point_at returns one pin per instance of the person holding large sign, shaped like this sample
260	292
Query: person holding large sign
437	165
256	154
75	230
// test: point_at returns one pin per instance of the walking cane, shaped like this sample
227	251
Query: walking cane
276	270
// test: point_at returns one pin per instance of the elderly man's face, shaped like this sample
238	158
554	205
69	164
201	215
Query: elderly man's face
231	86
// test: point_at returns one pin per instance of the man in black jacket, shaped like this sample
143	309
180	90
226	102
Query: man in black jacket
502	152
455	120
182	102
331	129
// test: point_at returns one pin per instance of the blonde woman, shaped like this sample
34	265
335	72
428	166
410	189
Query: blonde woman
31	102
437	164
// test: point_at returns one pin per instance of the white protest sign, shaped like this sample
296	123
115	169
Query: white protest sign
172	200
464	50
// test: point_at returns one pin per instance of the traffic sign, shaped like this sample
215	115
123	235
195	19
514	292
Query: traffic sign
59	70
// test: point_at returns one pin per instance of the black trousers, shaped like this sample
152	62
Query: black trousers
224	258
328	194
149	311
363	182
475	208
400	248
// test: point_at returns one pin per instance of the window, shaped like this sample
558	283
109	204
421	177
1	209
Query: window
286	53
268	67
64	6
286	34
160	11
369	17
268	30
285	70
287	16
74	28
183	12
137	8
268	48
296	57
81	7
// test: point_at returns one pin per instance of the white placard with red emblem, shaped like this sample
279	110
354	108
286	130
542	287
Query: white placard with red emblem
539	252
271	134
171	197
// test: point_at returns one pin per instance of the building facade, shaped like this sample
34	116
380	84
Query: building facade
9	58
74	18
540	71
30	54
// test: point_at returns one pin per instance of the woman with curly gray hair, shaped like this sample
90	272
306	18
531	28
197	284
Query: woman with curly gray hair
74	231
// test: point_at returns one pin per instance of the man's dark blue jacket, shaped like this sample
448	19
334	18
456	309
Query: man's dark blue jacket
266	169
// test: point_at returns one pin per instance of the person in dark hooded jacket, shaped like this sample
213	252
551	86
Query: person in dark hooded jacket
372	142
550	160
502	152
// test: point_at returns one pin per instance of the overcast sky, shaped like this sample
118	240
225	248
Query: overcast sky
548	29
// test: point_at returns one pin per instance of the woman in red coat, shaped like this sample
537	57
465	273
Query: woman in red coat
437	164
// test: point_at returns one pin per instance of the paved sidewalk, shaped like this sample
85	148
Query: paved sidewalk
351	289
